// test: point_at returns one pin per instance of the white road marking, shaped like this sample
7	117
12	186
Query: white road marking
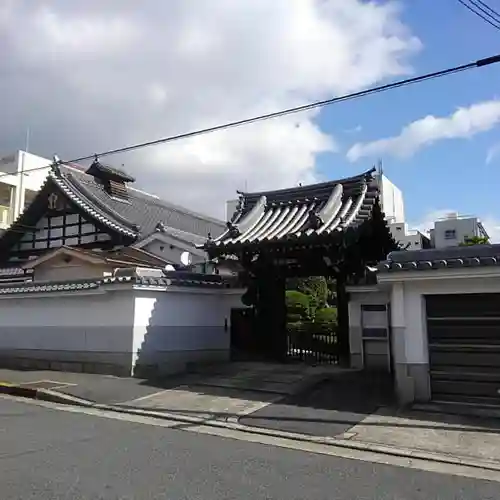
304	446
144	398
58	382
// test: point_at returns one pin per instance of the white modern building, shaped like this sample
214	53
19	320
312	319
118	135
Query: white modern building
391	201
407	238
21	175
455	229
450	231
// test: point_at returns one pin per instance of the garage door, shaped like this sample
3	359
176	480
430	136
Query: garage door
464	347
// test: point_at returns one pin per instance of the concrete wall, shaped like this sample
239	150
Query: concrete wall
73	332
180	327
409	328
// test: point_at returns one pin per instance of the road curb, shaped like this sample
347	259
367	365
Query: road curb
233	423
16	390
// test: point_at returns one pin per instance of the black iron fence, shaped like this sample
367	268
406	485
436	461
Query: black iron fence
313	342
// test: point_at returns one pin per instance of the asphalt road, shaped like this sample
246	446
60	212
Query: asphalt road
50	454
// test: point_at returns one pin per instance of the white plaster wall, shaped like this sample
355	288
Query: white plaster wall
121	326
173	255
182	322
75	322
357	299
416	349
58	270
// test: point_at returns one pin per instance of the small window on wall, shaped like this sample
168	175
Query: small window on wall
374	321
450	234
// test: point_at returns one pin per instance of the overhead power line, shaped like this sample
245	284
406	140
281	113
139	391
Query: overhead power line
318	104
486	6
484	11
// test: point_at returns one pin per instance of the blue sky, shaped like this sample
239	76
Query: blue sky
449	173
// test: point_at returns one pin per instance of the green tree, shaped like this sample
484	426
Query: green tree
475	240
298	306
315	288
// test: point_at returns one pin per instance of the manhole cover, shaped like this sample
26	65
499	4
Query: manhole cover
46	384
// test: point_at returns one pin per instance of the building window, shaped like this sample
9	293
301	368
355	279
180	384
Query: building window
450	234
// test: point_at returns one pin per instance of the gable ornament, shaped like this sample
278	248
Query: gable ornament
53	199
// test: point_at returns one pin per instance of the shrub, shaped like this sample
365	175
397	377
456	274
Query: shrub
326	315
314	287
297	304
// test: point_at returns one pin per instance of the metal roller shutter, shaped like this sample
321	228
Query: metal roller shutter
464	347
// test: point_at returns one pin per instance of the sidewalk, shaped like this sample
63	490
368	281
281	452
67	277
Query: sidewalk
470	438
320	404
258	382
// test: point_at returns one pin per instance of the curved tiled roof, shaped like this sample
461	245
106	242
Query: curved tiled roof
443	258
142	210
136	217
84	199
300	213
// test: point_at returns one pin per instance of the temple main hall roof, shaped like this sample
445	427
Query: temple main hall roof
136	216
143	210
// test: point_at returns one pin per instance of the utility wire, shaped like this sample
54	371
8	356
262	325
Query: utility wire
486	6
489	18
318	104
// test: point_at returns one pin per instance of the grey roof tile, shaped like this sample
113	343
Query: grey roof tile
442	258
142	210
172	278
300	212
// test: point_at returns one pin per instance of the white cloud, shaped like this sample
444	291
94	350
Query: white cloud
88	75
463	123
490	222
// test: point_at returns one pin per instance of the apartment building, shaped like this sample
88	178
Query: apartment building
21	175
455	229
409	239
